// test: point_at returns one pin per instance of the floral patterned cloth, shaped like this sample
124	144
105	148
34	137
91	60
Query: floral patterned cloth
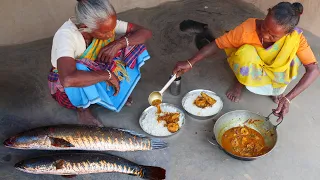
276	66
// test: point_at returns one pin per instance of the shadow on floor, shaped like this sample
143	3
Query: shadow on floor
26	103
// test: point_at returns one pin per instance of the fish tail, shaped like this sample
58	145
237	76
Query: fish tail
153	173
158	144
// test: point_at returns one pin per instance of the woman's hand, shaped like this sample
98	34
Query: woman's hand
114	82
182	67
108	52
282	110
312	72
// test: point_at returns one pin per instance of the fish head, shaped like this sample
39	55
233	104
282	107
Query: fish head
27	140
37	165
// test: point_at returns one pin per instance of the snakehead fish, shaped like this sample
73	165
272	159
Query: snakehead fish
80	137
69	165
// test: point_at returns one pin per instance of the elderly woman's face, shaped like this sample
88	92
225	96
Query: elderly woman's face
270	30
105	28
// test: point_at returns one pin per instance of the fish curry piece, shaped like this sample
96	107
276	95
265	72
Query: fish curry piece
173	127
204	101
171	119
244	141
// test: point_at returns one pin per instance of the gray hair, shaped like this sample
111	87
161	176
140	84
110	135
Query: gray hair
89	12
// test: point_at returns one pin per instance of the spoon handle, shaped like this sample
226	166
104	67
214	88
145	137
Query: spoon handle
174	77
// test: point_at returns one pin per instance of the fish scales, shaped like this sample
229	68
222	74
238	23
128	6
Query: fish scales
81	141
86	142
76	167
80	137
81	166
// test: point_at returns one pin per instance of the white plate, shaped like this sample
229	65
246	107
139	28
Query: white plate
199	112
149	118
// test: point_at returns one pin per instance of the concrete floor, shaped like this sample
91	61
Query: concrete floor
25	103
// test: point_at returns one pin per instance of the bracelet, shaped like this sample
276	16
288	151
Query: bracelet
110	75
127	41
287	99
189	63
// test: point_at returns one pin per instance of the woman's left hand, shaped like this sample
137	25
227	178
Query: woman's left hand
282	110
108	52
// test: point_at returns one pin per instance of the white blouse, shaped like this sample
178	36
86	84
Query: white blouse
69	42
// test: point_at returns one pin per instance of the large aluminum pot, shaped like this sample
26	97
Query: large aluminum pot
253	120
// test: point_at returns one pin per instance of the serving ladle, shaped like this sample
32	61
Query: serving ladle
157	95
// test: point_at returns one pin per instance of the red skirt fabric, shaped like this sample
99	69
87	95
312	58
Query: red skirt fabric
63	100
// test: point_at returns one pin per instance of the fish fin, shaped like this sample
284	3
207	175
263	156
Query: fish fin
69	176
131	132
58	142
59	164
153	173
158	144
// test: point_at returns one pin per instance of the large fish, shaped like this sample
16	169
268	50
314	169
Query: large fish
69	165
80	137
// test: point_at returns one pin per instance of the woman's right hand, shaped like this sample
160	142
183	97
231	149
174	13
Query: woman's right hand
181	68
114	82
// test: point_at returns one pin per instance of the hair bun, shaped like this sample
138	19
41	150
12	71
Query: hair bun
298	7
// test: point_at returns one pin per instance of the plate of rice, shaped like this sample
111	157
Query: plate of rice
163	121
202	104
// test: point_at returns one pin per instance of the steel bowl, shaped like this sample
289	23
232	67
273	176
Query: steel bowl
144	113
240	118
196	116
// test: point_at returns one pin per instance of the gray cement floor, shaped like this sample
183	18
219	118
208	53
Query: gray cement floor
25	102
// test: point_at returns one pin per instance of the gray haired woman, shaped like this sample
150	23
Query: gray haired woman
91	66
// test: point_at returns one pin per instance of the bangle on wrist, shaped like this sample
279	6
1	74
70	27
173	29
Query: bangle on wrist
110	75
127	41
189	63
287	99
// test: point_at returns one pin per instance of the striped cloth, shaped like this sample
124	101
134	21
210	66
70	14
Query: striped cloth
129	56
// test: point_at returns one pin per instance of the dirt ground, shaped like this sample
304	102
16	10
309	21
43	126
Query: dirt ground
26	102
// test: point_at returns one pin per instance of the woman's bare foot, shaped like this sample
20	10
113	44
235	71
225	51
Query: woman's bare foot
85	117
235	91
276	99
129	101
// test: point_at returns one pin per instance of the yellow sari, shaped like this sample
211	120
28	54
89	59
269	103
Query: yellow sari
256	66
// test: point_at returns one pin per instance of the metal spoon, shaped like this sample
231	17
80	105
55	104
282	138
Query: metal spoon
158	94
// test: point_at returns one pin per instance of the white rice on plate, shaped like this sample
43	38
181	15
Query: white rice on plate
151	125
190	107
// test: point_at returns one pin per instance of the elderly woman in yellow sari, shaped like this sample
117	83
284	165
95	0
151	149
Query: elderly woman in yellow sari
90	66
265	56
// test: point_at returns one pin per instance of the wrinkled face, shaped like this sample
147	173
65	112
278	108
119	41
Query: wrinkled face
105	29
270	31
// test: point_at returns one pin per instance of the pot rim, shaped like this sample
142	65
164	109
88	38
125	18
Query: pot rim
243	157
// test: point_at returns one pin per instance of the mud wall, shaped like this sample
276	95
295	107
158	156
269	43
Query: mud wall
24	21
29	20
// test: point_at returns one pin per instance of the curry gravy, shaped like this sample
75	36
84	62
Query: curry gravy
244	141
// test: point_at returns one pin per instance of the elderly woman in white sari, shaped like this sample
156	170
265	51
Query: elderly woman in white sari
90	66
